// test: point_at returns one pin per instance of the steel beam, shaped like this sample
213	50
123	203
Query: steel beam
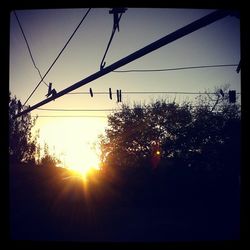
200	23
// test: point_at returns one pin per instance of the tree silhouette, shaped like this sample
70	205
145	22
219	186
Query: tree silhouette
22	145
47	159
205	137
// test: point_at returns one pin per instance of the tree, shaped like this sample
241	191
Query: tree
22	145
217	132
47	159
133	133
128	137
202	136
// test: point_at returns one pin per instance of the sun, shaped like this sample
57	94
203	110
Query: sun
81	171
73	140
83	164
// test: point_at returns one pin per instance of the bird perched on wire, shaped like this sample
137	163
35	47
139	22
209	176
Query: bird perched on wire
51	91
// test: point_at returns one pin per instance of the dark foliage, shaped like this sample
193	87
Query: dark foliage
48	160
200	138
170	174
22	146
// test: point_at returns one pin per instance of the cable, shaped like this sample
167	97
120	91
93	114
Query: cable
147	92
76	109
171	69
58	55
101	110
110	40
87	93
117	18
26	41
68	116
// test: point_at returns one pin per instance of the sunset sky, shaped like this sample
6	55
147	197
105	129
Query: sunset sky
47	31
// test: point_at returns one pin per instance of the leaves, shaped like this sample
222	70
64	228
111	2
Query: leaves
195	135
22	145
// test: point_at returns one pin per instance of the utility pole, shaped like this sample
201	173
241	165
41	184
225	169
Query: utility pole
200	23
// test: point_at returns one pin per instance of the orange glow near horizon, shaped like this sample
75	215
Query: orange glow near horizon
84	169
83	172
72	142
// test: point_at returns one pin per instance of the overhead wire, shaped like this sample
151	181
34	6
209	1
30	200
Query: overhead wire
58	55
115	109
99	110
54	109
206	20
102	65
172	69
26	101
70	116
26	41
125	92
146	92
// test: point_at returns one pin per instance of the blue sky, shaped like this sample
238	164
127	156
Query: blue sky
48	30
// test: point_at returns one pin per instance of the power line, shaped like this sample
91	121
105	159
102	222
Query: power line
70	116
101	110
104	110
26	41
58	55
115	26
171	69
146	92
187	29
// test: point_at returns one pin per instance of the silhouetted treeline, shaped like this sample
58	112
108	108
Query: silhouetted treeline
201	138
136	205
23	146
169	173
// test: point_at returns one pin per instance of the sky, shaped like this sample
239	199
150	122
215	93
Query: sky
47	31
